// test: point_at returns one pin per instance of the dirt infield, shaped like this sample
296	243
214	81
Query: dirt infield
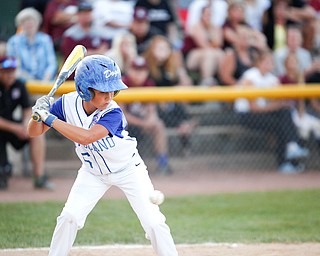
306	249
180	184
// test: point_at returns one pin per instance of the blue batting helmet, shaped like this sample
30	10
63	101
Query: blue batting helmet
97	72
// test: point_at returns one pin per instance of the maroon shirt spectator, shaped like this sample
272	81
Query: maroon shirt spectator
315	4
59	15
84	32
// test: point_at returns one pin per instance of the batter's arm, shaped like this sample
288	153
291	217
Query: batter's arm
78	134
72	132
35	128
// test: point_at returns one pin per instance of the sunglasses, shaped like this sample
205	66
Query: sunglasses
8	63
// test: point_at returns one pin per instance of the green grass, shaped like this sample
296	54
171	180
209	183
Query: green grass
287	216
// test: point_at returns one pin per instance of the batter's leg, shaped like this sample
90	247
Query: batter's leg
64	235
84	195
137	187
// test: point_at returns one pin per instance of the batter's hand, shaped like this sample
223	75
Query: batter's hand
43	102
46	117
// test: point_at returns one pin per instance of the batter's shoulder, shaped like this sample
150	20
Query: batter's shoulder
71	95
113	105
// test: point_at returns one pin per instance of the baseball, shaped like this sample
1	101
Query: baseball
157	197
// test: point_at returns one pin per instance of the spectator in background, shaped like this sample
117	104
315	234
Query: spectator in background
59	15
165	67
315	4
113	16
84	32
162	16
237	59
143	117
203	48
141	29
123	50
166	70
33	49
218	9
294	45
300	12
236	19
275	24
292	12
254	12
271	116
292	73
305	114
13	95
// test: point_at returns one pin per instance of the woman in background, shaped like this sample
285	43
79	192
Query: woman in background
33	49
123	50
237	59
166	70
203	48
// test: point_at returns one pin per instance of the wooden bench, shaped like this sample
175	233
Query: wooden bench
218	139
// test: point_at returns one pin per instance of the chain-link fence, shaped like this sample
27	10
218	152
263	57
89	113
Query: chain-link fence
226	140
222	139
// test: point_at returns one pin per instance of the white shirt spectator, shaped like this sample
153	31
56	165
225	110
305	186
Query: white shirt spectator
254	10
258	80
116	12
219	9
303	55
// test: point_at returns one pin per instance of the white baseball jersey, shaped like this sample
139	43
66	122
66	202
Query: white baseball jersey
110	154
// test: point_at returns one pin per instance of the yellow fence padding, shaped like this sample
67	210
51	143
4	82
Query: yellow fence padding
193	94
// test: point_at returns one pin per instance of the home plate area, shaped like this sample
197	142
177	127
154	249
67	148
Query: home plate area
207	249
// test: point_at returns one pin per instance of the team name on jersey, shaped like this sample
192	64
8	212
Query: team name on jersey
100	145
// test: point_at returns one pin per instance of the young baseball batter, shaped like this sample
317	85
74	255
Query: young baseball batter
109	156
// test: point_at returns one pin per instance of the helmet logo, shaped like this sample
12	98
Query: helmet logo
109	73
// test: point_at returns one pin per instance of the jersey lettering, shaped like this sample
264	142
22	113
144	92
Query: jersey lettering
86	154
100	145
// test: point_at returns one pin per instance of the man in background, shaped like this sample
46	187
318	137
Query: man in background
13	95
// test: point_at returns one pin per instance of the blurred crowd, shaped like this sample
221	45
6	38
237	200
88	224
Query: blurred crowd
250	43
202	36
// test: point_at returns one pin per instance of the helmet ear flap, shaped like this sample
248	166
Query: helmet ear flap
91	91
85	93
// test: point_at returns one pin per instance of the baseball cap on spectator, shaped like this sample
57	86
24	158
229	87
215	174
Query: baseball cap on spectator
140	14
84	7
139	63
8	63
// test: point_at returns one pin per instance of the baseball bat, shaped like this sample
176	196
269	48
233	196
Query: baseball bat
67	69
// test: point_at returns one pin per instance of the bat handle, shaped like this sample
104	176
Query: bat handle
36	117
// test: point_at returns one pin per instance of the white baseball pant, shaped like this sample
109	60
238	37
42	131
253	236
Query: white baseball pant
88	189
